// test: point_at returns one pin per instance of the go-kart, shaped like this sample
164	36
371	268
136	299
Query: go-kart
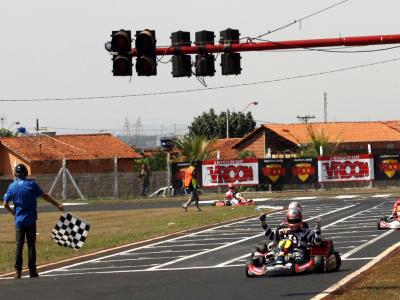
232	203
389	222
286	259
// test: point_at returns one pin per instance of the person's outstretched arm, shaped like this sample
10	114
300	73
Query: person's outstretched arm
9	209
53	201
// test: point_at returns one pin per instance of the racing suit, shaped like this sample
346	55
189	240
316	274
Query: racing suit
301	238
396	210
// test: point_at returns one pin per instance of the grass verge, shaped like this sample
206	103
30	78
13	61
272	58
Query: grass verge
112	228
379	282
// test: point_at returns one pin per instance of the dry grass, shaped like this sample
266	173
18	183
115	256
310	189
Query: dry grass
379	282
112	228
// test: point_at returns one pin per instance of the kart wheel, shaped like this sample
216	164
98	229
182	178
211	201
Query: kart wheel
259	261
263	248
249	262
379	223
338	260
319	264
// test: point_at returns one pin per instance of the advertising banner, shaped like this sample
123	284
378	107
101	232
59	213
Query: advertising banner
222	172
358	167
288	170
273	170
387	166
303	170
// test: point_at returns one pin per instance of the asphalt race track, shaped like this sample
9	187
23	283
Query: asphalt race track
209	264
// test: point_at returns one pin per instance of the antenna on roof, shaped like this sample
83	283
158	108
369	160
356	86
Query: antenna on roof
304	119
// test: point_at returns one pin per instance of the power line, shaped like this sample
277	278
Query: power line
297	21
208	88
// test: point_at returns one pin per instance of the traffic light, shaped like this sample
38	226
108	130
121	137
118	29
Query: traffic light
230	61
205	62
181	64
121	46
146	61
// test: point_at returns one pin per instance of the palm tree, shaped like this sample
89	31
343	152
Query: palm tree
319	139
193	148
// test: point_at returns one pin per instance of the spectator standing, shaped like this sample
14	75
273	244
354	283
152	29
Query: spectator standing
191	185
145	174
23	193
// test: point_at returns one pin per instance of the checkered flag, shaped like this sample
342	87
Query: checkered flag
70	231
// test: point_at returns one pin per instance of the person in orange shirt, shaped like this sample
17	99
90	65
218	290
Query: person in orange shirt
191	185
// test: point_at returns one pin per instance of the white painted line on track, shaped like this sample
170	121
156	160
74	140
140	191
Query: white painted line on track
346	196
342	282
344	256
381	196
304	198
204	252
134	259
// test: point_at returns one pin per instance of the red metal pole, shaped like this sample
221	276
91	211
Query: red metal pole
262	46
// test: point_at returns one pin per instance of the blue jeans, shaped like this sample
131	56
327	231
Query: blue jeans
29	233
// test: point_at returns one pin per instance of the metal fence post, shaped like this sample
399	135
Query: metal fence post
64	179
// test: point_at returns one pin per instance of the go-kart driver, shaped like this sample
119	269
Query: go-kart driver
233	196
396	210
294	228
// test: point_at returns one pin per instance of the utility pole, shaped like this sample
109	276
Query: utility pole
305	118
325	107
227	123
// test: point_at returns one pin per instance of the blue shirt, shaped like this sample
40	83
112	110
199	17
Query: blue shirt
24	193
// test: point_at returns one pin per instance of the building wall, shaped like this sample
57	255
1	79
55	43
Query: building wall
8	159
256	143
83	166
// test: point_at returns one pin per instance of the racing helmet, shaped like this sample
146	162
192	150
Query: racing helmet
229	195
295	204
20	171
294	218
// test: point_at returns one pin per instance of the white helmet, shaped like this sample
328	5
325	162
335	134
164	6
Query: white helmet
295	204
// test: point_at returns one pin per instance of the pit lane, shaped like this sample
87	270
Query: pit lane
210	263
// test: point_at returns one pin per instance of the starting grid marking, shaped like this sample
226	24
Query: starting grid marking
178	251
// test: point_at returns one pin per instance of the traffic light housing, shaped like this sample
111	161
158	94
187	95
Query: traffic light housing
146	61
121	46
181	64
230	61
205	62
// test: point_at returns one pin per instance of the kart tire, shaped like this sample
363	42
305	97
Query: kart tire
259	261
379	223
338	260
263	248
319	264
249	262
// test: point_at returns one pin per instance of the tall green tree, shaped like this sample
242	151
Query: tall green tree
211	125
319	139
6	133
193	148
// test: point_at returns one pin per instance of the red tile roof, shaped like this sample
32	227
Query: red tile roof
72	147
225	148
343	132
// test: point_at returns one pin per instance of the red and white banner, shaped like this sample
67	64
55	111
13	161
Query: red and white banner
358	167
222	172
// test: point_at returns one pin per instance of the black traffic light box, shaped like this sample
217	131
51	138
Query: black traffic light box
146	61
121	45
